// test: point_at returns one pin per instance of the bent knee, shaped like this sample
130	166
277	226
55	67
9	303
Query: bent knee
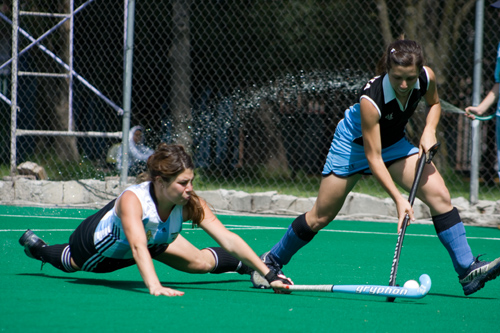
204	263
317	223
439	202
200	267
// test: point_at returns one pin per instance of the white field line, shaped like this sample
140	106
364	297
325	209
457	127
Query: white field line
188	228
236	227
44	217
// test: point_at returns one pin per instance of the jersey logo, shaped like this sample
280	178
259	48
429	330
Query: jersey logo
369	83
389	116
149	235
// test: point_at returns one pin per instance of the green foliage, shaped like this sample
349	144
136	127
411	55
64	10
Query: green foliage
58	170
4	170
251	180
257	179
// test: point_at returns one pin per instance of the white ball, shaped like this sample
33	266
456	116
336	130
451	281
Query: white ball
411	284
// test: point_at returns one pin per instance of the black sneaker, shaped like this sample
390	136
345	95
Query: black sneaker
31	242
258	280
478	274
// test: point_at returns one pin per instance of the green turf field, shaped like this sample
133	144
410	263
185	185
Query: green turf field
346	252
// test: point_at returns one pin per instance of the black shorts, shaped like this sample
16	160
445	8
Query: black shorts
81	243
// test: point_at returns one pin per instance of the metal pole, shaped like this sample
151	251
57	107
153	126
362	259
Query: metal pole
127	85
14	69
38	44
70	71
476	99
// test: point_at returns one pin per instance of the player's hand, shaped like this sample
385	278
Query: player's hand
472	111
164	291
427	141
404	208
279	284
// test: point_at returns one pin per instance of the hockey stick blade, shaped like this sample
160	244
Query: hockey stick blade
370	290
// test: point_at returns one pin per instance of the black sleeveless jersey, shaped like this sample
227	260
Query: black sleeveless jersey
393	120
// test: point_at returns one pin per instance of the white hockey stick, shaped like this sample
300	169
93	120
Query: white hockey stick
373	290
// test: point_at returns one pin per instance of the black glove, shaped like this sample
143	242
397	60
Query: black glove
271	276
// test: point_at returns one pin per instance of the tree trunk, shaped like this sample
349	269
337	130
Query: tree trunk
180	60
385	25
57	97
442	28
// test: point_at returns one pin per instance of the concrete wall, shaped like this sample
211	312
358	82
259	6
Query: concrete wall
95	194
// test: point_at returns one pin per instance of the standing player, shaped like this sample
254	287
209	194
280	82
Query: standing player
371	139
489	100
144	223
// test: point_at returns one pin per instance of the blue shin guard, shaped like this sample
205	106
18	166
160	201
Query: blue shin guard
451	233
297	235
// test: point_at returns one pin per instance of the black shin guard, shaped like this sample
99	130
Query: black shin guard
224	262
58	256
302	229
445	221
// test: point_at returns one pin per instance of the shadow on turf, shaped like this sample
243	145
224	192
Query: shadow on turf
459	296
136	286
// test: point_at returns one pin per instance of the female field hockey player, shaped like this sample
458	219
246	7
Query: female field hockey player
144	223
371	140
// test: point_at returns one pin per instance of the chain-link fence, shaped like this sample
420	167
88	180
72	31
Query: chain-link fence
255	88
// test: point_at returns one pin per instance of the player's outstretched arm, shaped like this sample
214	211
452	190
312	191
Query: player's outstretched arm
486	103
238	248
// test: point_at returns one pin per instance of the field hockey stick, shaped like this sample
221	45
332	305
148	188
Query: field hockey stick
453	109
371	290
425	158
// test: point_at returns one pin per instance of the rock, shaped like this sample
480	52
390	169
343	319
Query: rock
32	169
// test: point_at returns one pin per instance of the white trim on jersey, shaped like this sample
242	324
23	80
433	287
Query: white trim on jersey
374	104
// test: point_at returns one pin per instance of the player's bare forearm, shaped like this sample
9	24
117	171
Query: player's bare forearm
490	99
146	267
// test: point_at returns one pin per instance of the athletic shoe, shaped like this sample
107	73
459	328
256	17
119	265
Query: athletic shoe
478	274
31	243
258	280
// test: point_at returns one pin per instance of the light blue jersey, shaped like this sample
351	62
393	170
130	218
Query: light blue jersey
109	237
347	155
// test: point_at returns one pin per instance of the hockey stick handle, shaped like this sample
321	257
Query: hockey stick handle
411	199
425	158
372	290
416	181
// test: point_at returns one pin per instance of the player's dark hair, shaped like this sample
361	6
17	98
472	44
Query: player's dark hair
167	162
402	53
